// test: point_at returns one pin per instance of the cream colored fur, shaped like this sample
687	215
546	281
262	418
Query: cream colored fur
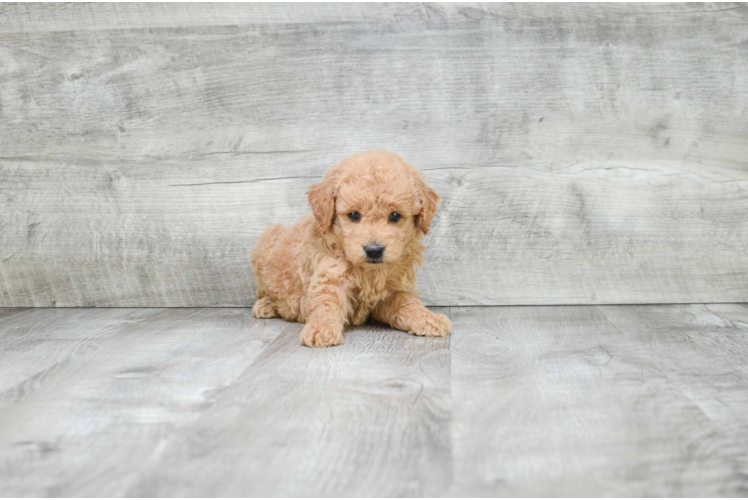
316	271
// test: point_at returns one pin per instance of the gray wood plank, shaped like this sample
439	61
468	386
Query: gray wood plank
609	401
522	401
584	153
109	387
368	418
34	343
736	315
16	17
709	363
69	16
8	312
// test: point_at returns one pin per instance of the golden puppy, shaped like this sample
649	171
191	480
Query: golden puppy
354	257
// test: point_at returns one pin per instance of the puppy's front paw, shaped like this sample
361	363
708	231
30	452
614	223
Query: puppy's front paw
427	324
321	334
263	308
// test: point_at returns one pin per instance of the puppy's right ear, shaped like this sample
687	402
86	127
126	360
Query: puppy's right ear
322	201
429	201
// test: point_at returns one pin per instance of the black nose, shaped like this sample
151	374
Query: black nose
374	251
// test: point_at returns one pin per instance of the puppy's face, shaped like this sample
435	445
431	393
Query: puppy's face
374	204
375	222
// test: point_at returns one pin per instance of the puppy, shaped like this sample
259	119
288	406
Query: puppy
353	258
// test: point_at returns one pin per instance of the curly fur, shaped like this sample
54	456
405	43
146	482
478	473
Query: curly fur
316	271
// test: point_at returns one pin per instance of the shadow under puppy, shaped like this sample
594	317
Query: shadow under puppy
354	256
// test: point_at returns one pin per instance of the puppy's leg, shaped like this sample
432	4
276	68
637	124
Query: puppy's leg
264	308
406	312
326	303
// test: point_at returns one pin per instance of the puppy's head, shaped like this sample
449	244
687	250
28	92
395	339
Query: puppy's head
374	204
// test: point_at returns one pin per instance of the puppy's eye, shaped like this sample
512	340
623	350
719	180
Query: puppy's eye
354	216
394	217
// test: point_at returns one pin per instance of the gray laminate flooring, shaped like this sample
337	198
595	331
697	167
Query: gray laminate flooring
520	401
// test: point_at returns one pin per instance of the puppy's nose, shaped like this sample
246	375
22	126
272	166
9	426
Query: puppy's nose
374	251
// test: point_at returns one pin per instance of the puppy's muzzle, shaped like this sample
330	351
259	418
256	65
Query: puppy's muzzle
374	252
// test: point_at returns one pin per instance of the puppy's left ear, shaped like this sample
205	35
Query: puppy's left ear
322	201
429	201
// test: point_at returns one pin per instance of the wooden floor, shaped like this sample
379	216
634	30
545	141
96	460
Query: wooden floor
554	401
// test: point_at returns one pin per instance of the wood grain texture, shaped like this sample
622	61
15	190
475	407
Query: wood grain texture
626	401
584	153
608	401
4	313
370	418
19	18
15	17
167	406
89	397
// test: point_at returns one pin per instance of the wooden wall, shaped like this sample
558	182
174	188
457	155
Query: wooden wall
585	153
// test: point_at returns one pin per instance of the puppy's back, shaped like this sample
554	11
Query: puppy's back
275	261
262	252
268	239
